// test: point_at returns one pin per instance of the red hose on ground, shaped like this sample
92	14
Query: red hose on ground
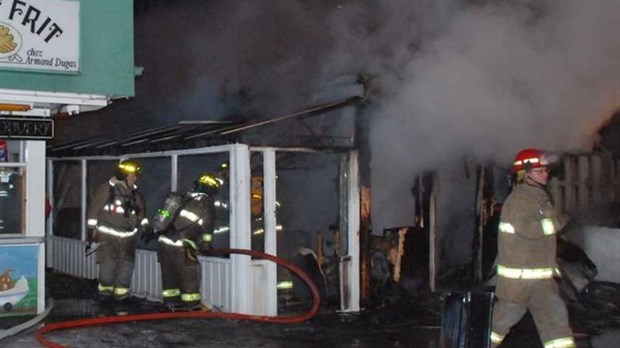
295	319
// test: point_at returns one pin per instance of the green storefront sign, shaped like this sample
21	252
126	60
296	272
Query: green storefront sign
67	46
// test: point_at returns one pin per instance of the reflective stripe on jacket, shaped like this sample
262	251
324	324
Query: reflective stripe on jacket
527	238
194	223
116	206
117	233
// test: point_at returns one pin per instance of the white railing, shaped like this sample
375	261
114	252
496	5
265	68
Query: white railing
68	256
216	282
146	280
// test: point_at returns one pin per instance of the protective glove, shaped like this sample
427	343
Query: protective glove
91	248
92	238
205	248
148	237
147	233
205	245
148	229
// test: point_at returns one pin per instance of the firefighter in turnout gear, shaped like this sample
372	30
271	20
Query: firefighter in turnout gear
527	256
115	213
222	205
185	226
222	212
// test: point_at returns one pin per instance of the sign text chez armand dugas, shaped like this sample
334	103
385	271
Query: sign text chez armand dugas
41	35
26	128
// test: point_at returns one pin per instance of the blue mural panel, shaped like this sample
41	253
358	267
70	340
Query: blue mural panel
20	271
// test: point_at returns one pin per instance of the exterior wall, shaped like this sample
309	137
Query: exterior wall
27	235
35	188
106	68
27	197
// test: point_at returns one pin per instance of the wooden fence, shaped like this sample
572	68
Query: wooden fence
586	181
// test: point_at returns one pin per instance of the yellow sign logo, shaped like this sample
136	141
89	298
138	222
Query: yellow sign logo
10	40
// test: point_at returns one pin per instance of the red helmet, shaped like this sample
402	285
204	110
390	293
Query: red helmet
531	158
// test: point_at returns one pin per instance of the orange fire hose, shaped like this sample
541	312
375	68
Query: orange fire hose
294	319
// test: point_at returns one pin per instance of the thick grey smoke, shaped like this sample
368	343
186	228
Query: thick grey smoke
452	79
482	80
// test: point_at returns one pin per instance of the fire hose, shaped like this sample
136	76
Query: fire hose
291	319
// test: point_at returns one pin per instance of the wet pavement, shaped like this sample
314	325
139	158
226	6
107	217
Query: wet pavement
410	321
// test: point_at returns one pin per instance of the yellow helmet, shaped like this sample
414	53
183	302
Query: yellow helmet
127	167
209	183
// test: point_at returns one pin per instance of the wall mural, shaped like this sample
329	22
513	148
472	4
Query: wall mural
19	288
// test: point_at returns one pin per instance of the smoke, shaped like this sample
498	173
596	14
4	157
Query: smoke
451	79
481	80
214	59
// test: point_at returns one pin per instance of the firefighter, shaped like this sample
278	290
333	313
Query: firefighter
185	226
222	203
527	256
115	214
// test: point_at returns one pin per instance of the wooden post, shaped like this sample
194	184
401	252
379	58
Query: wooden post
402	235
434	245
584	183
365	254
480	211
569	184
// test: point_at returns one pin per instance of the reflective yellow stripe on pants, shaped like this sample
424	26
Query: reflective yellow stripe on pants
524	273
191	297
171	292
496	338
120	291
564	342
105	288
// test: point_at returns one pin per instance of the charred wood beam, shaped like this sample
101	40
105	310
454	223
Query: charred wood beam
308	112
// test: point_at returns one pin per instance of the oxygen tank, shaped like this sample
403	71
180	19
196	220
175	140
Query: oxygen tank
167	213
